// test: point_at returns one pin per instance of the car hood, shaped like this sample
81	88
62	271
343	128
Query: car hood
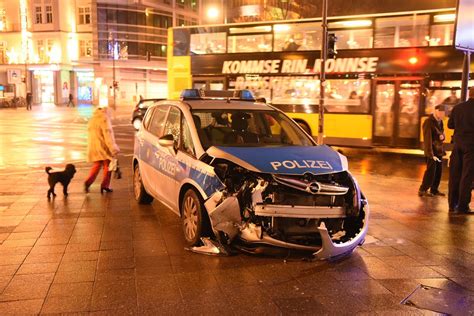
294	160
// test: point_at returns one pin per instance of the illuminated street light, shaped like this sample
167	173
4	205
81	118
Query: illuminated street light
213	13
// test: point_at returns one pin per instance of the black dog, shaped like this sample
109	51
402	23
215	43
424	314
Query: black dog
63	177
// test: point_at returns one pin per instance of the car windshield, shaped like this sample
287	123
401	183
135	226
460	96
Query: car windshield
247	128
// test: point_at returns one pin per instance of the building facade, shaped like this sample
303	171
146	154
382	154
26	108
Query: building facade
100	51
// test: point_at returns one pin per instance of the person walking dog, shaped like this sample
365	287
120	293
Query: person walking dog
433	135
461	173
101	148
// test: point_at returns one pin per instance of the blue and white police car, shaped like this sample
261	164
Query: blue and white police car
241	174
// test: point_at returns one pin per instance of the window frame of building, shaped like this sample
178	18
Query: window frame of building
48	10
3	20
3	52
84	15
85	48
38	14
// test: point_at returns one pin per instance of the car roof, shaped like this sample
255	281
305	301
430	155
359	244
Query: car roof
220	104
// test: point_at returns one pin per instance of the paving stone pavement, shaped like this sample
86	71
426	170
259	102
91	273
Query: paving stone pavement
105	254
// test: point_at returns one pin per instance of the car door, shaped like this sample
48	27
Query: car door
168	167
148	137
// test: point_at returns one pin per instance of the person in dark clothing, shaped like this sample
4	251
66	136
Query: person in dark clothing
29	100
461	173
71	100
433	134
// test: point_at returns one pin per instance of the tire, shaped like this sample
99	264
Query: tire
141	195
137	122
193	217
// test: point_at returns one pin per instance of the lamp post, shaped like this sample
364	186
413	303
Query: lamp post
322	77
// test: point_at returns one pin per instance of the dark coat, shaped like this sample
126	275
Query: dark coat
433	135
462	121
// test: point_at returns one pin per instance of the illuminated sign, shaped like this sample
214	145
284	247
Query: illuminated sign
286	66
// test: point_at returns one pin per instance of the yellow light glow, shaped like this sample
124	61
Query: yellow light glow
353	23
448	17
281	28
2	26
213	13
413	60
12	56
73	47
55	54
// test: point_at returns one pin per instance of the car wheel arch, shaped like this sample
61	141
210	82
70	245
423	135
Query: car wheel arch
184	188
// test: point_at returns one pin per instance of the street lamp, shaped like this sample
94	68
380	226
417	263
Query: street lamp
212	13
215	11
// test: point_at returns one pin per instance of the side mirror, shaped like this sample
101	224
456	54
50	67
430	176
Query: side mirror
166	141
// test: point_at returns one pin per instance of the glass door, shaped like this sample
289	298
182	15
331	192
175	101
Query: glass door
396	113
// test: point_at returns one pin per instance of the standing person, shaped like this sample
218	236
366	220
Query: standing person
29	100
461	173
101	148
71	100
433	135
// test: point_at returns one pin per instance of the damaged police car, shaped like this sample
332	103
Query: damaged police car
241	174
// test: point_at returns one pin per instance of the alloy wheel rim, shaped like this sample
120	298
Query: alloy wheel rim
190	218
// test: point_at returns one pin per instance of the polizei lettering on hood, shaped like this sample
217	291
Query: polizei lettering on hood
301	164
285	66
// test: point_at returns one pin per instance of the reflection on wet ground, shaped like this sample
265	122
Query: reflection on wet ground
106	253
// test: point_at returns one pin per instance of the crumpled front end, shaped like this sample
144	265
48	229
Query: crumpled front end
325	215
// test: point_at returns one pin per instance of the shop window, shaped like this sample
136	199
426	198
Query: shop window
293	37
85	48
208	43
49	14
441	35
249	43
38	15
407	31
84	15
353	39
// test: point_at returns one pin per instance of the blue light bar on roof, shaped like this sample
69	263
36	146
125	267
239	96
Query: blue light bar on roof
244	95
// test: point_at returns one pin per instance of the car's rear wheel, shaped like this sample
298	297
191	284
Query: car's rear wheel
137	122
193	217
141	195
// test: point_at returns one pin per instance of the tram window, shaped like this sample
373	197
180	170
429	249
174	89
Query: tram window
445	96
293	37
354	39
208	43
402	31
441	34
249	43
351	96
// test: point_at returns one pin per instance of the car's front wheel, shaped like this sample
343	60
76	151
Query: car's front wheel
193	217
137	122
141	195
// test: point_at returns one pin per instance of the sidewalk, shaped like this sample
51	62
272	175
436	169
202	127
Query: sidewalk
107	254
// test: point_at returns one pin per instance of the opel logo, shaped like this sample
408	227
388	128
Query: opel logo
313	187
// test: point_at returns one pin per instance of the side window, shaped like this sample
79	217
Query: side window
147	118
187	141
172	125
158	121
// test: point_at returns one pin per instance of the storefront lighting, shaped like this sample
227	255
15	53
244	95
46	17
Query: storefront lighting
281	28
2	26
352	23
55	54
448	17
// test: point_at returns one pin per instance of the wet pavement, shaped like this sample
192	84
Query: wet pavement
105	254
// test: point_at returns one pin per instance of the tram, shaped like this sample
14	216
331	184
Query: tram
389	73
